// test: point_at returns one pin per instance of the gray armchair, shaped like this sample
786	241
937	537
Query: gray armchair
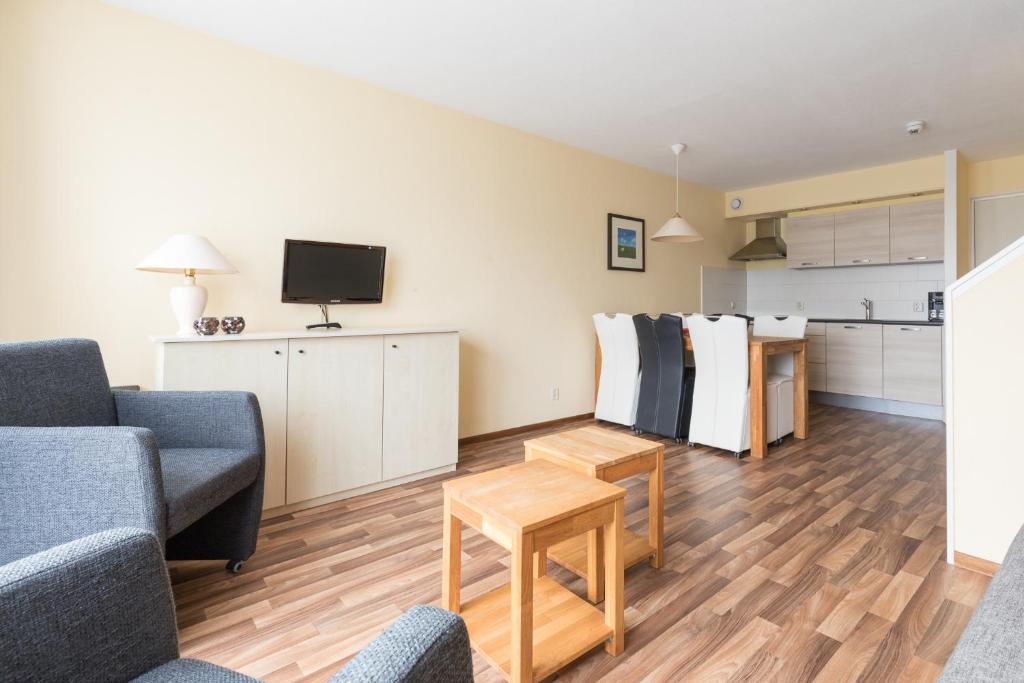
100	609
78	458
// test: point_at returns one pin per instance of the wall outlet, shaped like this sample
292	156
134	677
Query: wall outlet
799	305
918	307
554	393
732	305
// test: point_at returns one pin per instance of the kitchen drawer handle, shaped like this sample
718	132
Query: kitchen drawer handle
917	258
910	329
302	350
809	263
852	327
862	260
394	346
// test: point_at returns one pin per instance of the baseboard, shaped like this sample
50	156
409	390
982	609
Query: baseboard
879	405
465	441
975	564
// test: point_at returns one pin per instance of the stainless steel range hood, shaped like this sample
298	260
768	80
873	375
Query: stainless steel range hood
768	244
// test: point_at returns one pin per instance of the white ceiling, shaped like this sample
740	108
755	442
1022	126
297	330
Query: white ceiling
760	90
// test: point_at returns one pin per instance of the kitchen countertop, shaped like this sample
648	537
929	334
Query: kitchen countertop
933	323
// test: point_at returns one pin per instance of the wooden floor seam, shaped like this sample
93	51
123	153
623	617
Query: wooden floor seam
823	562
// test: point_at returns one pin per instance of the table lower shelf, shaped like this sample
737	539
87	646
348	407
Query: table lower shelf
572	554
564	627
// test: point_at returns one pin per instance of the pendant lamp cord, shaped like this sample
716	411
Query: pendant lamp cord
677	183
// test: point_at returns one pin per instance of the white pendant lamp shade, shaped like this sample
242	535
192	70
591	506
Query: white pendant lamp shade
677	229
183	253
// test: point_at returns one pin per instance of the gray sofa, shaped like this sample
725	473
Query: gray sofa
991	648
100	609
78	458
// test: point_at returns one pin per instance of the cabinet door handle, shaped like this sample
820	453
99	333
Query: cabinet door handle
276	352
809	263
394	346
862	260
910	329
917	258
302	350
851	327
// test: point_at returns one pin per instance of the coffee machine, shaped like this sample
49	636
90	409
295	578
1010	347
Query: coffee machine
935	306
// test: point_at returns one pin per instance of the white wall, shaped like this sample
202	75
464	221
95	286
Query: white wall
836	292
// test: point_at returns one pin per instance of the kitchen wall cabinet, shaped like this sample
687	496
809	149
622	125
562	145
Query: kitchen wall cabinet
913	363
810	241
344	412
854	364
916	232
862	237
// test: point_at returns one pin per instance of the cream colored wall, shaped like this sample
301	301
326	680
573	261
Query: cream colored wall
118	130
998	176
988	391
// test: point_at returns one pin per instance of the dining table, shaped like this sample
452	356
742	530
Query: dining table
759	349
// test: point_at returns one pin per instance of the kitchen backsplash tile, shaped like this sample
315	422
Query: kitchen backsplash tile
824	292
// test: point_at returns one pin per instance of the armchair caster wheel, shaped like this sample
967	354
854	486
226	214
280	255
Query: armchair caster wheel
235	566
739	455
690	444
678	440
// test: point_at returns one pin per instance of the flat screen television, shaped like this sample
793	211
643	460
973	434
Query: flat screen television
332	273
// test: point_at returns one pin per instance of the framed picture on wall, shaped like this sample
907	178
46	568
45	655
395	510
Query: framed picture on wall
625	243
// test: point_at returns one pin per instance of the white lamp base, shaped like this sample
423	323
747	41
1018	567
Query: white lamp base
188	301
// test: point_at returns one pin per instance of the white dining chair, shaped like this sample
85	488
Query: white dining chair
721	396
780	366
619	384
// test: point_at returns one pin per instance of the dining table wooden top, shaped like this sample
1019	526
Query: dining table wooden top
759	348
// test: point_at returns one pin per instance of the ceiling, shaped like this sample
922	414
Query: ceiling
760	90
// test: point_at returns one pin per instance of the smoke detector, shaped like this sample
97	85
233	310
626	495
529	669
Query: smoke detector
914	127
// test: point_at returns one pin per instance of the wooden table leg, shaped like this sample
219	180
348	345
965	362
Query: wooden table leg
595	566
800	407
656	510
614	586
451	559
758	402
540	563
521	615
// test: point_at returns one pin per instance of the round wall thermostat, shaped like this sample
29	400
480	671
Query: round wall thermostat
736	203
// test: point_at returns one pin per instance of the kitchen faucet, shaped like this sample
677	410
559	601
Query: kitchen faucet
867	304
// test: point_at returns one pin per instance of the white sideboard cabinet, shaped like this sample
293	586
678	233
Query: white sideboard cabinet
344	412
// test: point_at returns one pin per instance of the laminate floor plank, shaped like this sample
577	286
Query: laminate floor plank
823	561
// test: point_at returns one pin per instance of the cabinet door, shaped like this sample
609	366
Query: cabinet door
335	392
913	363
810	241
257	366
917	232
816	374
862	237
854	363
421	402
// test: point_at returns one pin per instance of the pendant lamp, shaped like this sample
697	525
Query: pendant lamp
676	229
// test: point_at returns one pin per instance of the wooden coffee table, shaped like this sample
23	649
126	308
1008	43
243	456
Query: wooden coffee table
609	456
531	628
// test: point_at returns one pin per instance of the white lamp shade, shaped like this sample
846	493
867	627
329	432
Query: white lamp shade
676	229
187	252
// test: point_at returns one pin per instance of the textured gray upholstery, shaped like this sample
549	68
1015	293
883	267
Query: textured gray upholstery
56	383
100	609
192	670
991	648
197	480
95	609
60	484
424	645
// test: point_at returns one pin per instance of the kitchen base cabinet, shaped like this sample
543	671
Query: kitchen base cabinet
913	363
854	359
817	356
344	412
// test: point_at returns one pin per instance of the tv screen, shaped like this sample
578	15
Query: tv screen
331	273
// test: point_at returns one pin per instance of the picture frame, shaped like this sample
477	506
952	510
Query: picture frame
626	243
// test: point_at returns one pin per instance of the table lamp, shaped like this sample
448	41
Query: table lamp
190	255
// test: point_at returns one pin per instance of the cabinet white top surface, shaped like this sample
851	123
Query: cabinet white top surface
301	334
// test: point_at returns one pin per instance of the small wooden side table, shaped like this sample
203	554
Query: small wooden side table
531	628
609	456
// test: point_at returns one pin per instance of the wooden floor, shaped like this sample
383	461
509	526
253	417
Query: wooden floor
824	562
